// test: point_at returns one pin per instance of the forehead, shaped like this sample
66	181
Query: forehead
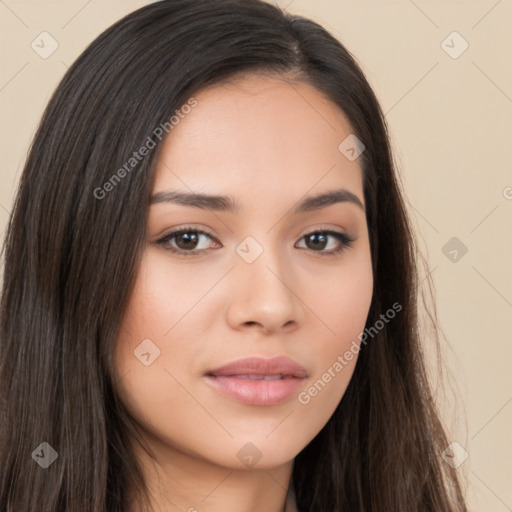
258	137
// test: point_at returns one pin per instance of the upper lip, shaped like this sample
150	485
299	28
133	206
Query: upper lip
280	365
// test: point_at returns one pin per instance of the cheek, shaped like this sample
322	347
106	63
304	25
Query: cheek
162	303
160	336
342	302
343	307
153	353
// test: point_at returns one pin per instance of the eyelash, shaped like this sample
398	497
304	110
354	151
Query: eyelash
346	241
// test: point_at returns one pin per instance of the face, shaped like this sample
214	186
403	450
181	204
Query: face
231	346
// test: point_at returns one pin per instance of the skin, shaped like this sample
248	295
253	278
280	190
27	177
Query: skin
206	310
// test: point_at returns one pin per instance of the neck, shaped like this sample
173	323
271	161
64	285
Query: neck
183	482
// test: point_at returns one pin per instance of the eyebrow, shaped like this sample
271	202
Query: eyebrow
228	204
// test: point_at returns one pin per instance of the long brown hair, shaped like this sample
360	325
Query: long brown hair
71	258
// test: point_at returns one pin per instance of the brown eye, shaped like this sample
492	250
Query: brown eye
185	241
318	241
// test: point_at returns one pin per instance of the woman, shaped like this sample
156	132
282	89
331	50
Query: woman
209	295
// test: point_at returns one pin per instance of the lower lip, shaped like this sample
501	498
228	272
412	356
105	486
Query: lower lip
257	392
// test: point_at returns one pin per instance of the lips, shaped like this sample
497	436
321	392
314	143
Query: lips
258	366
259	381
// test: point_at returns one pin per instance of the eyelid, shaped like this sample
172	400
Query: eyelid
345	239
186	229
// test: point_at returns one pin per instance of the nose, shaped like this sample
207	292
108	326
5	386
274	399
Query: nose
264	296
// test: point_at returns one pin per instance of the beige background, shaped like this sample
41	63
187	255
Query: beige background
451	126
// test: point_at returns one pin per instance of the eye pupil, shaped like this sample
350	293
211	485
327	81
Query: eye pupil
190	240
315	237
185	241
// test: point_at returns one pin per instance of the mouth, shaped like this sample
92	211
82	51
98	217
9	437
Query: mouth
258	377
258	381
